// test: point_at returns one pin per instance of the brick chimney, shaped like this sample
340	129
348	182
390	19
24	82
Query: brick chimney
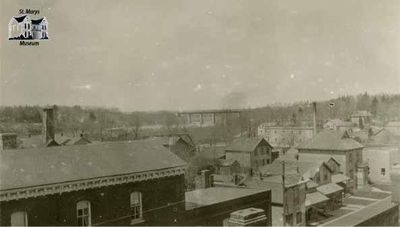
204	180
48	124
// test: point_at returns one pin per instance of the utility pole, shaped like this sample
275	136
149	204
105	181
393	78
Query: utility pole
283	194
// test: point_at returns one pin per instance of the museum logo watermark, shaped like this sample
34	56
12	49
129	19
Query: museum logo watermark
28	27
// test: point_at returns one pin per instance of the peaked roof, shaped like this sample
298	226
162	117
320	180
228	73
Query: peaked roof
38	21
331	140
32	167
19	19
245	144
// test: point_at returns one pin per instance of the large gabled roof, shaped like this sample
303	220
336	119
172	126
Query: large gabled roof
19	19
38	21
335	140
45	166
245	144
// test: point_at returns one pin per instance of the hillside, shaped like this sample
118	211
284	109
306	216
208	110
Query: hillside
97	122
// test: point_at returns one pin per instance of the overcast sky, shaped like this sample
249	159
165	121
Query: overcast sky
186	54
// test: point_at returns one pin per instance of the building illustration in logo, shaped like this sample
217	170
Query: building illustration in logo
24	28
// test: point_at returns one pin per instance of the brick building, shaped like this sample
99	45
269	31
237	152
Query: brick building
96	184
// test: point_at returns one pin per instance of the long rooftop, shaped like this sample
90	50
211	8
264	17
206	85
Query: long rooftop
23	168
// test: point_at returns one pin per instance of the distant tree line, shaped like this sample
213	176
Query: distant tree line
96	120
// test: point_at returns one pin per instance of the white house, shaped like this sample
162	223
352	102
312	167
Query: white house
39	28
23	27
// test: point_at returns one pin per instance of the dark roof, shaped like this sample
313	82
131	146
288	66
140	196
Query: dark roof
38	21
32	167
209	196
331	140
245	144
20	18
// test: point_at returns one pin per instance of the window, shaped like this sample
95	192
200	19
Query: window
19	218
136	206
83	213
267	161
299	218
383	171
325	177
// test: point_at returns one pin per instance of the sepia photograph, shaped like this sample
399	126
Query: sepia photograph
200	113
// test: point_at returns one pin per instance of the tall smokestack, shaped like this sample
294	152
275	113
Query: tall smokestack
48	124
315	117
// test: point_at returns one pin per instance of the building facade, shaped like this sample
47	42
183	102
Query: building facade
284	137
251	153
93	184
338	145
23	27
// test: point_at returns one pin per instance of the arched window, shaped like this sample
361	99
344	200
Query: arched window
19	218
136	206
83	213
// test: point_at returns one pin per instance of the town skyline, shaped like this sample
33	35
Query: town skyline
202	55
